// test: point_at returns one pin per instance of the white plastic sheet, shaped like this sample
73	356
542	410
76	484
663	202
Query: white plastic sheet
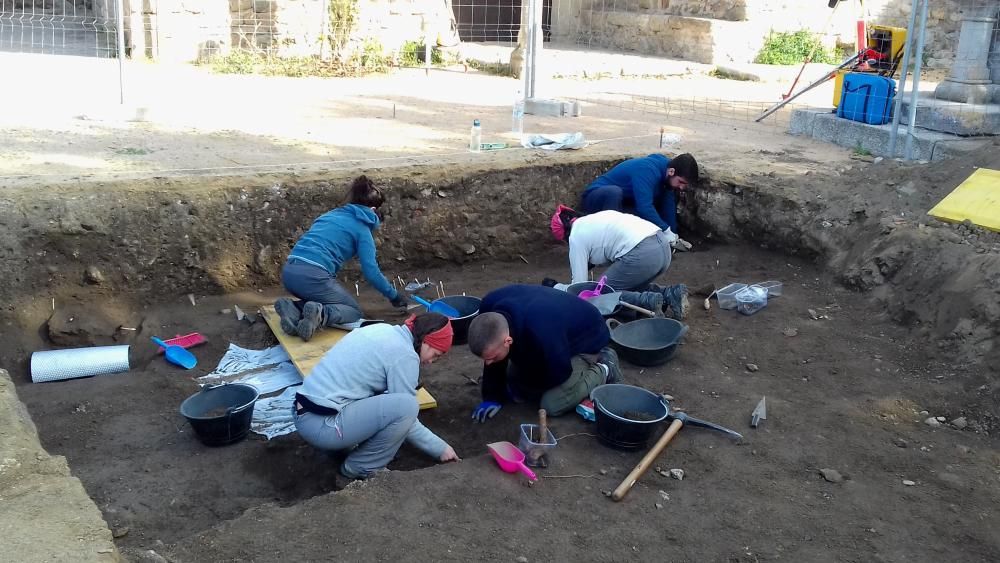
272	416
554	141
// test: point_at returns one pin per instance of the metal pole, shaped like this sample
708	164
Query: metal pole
536	43
919	54
120	24
898	109
427	45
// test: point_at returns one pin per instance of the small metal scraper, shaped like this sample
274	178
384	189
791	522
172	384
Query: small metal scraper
759	413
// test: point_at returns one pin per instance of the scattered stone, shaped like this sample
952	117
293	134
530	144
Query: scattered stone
667	397
662	472
924	413
522	559
191	298
908	483
226	312
932	422
442	193
677	474
606	492
240	315
960	423
150	556
658	506
468	248
790	332
664	495
753	367
93	276
878	159
832	475
940	418
963	449
604	472
813	314
119	532
900	443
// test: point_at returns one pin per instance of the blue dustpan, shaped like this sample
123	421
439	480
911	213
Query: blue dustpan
176	354
442	308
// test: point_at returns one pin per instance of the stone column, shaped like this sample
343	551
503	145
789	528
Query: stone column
970	81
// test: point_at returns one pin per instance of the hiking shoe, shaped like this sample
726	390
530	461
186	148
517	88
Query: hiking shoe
312	318
289	315
609	358
676	297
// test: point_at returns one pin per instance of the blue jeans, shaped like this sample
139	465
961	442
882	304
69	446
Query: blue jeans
312	283
375	427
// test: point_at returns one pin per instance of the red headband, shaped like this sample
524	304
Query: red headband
440	339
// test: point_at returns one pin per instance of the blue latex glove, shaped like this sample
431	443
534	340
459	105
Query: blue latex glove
485	411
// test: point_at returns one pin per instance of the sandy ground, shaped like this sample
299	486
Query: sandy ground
846	392
69	124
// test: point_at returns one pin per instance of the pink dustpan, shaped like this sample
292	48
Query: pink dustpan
510	459
596	292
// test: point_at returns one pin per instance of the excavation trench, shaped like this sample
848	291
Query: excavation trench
98	266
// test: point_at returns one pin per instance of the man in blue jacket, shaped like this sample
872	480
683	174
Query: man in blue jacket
311	271
539	343
645	187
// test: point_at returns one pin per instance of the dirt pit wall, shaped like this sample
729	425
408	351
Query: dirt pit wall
161	238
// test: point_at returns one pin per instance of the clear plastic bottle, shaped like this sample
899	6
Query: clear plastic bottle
476	138
517	115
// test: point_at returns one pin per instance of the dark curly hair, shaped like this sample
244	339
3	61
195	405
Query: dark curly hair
364	192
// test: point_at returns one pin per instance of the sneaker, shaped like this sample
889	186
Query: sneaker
609	359
289	315
677	298
312	318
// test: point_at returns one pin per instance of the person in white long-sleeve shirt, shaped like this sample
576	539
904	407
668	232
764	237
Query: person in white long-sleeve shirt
637	251
362	394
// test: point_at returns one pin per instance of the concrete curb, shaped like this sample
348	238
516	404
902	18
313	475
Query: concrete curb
47	515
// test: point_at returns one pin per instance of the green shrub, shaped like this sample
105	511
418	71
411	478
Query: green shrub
793	48
411	53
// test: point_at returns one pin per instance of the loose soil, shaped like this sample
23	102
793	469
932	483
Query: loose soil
846	393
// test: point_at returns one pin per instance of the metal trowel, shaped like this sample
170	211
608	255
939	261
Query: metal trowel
759	412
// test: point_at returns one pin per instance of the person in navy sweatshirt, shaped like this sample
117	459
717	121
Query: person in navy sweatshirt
539	343
645	187
311	270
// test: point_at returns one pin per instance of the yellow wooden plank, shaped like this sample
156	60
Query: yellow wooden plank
976	199
305	355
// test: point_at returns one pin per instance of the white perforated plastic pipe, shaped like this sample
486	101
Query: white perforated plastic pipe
56	365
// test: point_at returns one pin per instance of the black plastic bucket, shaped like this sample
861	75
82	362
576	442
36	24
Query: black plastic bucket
468	308
221	415
627	415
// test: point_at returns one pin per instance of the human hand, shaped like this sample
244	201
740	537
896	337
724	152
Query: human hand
671	236
485	411
681	245
449	455
400	301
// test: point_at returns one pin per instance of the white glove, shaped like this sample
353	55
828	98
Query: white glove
671	236
681	245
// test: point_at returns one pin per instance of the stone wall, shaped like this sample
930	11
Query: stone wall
704	31
194	30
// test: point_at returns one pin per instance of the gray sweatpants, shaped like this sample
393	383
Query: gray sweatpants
640	266
376	427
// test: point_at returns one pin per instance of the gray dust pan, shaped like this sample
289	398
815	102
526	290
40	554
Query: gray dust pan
57	365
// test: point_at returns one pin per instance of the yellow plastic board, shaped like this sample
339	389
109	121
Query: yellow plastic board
305	355
976	199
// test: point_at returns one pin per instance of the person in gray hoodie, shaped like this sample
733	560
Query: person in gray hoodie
311	270
361	396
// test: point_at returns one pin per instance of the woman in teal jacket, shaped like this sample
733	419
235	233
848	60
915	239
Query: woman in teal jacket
311	270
